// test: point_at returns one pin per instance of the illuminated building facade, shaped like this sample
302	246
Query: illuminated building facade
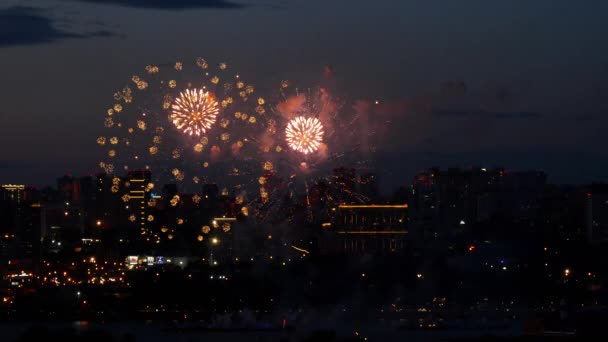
139	195
370	228
16	193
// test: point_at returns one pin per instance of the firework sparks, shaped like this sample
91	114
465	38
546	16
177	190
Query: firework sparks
194	111
304	135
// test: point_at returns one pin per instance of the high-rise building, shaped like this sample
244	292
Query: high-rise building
107	205
210	195
20	221
87	204
17	193
596	213
138	196
69	189
451	201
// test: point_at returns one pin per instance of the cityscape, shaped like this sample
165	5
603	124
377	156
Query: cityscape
480	249
303	171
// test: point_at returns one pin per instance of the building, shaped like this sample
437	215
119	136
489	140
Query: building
374	228
452	201
20	222
137	197
210	195
17	193
596	213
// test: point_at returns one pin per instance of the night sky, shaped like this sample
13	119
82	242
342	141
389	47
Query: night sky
519	84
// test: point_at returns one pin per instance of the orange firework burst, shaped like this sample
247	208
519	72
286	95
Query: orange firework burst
304	134
194	111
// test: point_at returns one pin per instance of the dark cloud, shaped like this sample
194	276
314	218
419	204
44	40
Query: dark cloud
453	88
583	117
169	4
10	164
486	114
21	25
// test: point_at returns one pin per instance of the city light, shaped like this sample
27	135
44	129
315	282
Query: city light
374	206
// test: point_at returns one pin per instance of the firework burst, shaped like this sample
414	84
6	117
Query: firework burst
304	135
194	111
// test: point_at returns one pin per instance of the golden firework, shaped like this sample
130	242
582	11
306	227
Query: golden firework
304	135
175	200
196	198
141	124
194	111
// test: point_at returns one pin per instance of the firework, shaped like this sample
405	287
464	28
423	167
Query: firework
304	135
194	111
